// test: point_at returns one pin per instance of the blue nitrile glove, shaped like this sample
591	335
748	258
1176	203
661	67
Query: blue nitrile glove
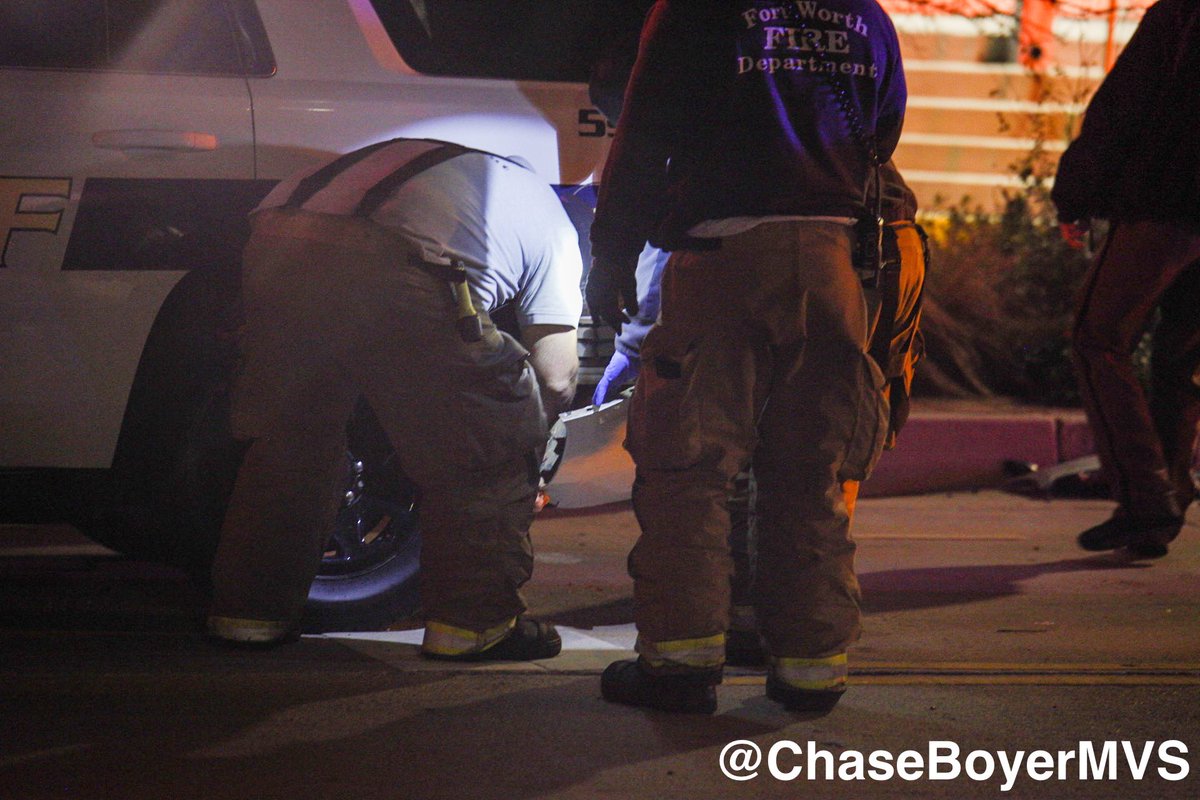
612	291
621	369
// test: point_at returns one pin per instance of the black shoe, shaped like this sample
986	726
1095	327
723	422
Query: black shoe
1146	537
744	649
820	701
529	640
626	682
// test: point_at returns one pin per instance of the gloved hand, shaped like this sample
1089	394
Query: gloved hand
612	291
621	369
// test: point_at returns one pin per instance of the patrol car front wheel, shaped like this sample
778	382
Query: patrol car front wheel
368	573
367	578
176	460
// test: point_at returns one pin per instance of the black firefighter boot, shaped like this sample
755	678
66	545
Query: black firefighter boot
692	692
1145	538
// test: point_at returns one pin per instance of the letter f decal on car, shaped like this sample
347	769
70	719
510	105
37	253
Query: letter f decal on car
14	192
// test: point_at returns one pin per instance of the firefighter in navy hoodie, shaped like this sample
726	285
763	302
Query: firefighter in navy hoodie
749	145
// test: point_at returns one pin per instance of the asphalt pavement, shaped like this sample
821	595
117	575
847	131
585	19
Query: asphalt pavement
995	655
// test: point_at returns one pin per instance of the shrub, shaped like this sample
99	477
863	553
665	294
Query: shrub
999	302
1002	286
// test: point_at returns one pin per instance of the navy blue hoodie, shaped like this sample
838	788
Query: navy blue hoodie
749	108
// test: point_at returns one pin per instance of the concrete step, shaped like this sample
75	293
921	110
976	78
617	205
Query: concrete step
981	48
1078	41
952	147
973	111
925	152
937	191
965	116
938	78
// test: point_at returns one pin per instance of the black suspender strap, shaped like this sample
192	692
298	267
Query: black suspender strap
469	325
325	175
378	194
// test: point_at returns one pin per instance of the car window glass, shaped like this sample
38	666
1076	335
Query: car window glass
54	33
178	36
549	40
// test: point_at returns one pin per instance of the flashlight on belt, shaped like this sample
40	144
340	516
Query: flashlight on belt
470	327
868	248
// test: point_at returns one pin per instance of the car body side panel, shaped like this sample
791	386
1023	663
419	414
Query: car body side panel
70	340
113	185
316	105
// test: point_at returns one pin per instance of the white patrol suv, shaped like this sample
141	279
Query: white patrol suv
137	136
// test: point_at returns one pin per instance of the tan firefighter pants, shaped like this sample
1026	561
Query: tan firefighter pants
333	310
759	356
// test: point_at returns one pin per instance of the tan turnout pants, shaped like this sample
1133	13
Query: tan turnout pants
759	355
333	310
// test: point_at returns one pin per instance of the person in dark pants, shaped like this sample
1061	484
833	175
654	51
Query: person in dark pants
1137	163
373	275
749	141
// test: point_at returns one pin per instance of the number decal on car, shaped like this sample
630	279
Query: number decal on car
593	125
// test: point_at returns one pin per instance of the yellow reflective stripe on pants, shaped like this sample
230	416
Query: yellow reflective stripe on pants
704	653
811	673
447	640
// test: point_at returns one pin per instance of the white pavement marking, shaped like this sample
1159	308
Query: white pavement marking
606	637
583	652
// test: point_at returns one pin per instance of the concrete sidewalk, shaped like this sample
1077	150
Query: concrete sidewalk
968	579
985	628
951	577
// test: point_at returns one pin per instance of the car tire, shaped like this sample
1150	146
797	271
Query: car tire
165	498
368	574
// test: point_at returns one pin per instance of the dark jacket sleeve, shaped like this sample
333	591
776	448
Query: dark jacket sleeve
893	99
667	83
635	172
1084	186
